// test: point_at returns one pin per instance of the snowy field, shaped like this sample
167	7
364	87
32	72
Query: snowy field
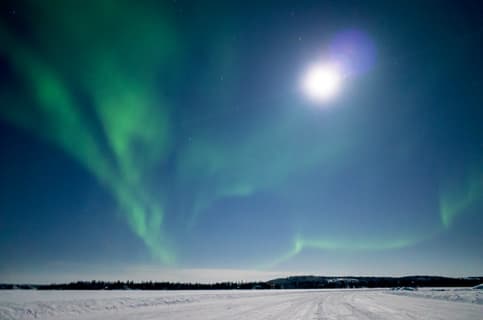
448	294
259	304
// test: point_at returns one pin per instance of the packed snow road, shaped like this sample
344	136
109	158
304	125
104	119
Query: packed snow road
200	305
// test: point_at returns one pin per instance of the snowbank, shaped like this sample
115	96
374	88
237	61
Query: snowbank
467	295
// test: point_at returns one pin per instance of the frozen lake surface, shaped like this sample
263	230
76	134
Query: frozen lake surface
358	304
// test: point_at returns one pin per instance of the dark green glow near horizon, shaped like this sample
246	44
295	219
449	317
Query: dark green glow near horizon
350	244
453	202
114	61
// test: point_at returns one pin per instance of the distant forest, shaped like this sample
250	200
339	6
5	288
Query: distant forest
296	282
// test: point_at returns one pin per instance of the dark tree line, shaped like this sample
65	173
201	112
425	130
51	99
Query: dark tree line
314	282
298	282
131	285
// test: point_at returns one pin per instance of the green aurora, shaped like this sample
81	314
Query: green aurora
94	90
133	117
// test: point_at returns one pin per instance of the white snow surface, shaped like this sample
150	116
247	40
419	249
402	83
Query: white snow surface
361	304
469	295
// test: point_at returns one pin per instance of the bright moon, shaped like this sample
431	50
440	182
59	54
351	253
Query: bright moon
322	82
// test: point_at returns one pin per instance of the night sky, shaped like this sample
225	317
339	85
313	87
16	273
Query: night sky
176	140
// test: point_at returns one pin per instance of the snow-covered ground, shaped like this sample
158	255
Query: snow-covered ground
259	304
448	294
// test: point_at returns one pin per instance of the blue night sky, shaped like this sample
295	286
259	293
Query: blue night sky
208	141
